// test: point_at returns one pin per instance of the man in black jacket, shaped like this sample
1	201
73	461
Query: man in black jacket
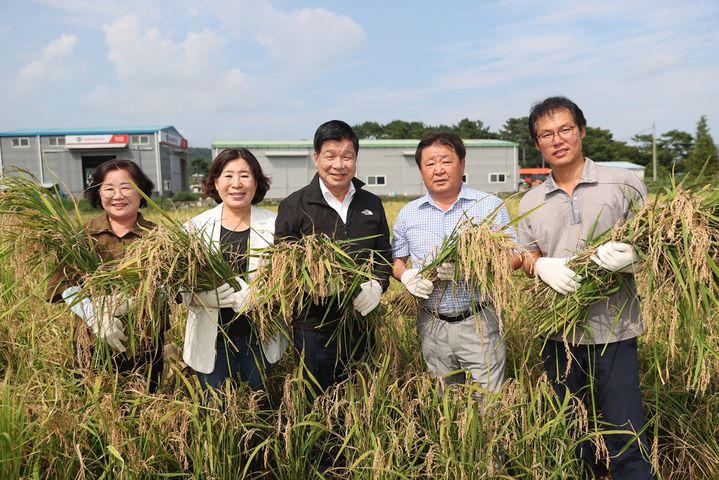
335	204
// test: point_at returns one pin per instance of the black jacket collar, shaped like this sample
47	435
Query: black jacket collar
314	192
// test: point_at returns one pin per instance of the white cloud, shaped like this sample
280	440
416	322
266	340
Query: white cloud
51	65
158	76
304	38
311	36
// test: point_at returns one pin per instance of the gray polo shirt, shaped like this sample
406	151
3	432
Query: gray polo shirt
562	225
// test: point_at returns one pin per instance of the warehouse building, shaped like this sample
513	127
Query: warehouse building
386	166
67	158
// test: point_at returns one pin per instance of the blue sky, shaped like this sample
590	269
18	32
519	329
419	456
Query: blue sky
276	69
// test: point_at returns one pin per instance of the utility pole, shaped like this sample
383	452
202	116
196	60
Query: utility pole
654	152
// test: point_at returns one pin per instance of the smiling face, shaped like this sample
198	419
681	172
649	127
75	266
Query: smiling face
560	151
236	185
118	196
336	164
442	171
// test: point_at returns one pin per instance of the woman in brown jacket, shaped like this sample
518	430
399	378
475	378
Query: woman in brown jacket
101	319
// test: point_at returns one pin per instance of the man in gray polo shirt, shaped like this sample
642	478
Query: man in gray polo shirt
580	197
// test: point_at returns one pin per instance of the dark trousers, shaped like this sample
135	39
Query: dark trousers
239	358
613	369
328	358
149	362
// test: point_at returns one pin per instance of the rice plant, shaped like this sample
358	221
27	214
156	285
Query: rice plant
482	255
677	238
391	419
314	270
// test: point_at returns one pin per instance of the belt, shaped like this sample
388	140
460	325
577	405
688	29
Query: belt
462	315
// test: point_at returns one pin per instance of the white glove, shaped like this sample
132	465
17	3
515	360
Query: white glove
445	271
555	273
219	297
416	284
105	326
368	297
110	330
240	298
82	307
616	257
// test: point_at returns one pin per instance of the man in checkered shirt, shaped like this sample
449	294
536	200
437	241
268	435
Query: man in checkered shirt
459	332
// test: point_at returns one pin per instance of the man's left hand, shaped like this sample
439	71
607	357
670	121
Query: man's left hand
617	257
445	271
368	298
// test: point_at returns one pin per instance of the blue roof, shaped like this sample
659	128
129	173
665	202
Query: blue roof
621	164
84	131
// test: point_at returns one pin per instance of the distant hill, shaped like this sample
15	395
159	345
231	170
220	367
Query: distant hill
199	152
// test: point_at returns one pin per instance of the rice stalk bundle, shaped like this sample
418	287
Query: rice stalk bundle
37	225
677	238
161	266
314	270
482	255
679	283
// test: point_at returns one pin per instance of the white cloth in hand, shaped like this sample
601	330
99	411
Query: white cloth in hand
616	257
220	297
368	298
111	330
445	271
241	297
555	273
416	284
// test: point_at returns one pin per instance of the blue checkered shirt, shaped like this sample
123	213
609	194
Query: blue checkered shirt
420	228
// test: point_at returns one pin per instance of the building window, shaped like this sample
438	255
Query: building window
22	142
140	139
56	141
376	180
497	178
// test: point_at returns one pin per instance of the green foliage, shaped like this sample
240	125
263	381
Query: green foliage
703	152
199	167
516	130
185	197
599	144
400	129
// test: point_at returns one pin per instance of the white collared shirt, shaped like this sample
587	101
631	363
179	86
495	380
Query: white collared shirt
340	207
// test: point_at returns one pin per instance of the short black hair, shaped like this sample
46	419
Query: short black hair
334	130
443	138
225	157
551	104
143	183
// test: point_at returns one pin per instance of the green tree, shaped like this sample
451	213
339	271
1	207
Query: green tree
474	129
368	130
599	145
704	150
516	129
677	144
199	168
672	149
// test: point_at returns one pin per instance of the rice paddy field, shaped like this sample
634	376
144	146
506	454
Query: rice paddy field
390	420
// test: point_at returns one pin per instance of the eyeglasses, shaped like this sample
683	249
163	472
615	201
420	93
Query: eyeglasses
565	133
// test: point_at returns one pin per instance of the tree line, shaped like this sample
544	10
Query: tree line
676	150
